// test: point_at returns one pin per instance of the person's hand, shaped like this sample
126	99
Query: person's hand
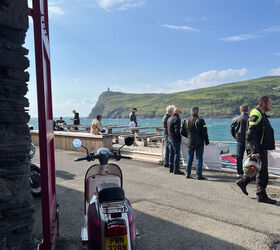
255	155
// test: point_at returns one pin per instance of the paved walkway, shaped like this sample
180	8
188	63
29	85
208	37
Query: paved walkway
172	212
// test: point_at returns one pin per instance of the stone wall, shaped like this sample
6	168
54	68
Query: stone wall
16	209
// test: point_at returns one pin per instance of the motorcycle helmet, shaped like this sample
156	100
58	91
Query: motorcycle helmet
251	166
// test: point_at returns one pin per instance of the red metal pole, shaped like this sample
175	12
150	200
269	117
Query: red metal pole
45	119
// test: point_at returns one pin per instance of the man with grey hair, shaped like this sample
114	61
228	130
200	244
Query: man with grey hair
169	113
238	130
174	136
195	130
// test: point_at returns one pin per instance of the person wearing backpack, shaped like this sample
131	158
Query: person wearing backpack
194	128
238	130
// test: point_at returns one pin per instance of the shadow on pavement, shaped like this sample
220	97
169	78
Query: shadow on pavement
155	233
64	175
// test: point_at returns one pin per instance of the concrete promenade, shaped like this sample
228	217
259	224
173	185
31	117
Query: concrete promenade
172	212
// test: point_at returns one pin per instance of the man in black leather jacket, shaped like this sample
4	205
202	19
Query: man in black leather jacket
194	128
238	130
259	139
174	133
169	112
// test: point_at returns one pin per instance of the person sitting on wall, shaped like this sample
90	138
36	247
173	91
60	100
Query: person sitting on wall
59	124
96	126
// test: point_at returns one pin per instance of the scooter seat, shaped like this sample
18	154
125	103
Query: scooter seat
109	192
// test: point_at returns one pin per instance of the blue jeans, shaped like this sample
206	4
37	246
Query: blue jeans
167	150
240	149
199	158
175	152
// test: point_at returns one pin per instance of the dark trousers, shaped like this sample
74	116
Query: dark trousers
174	159
240	149
199	158
166	151
262	176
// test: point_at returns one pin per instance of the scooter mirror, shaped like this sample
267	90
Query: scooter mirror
129	141
77	143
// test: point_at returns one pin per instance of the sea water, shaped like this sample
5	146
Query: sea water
218	129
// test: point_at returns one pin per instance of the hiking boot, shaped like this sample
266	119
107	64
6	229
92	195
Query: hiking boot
242	187
188	176
171	170
179	172
201	178
266	200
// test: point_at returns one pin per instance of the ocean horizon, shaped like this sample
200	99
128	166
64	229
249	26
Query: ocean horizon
218	128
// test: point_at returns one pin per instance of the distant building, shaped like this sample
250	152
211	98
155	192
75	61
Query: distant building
108	89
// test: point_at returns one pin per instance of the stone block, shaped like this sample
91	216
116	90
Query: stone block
14	14
10	59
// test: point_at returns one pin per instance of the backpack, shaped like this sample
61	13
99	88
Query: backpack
234	127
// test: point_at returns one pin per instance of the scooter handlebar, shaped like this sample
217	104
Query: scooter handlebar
89	157
81	159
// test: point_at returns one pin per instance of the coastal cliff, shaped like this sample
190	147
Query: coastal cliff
215	102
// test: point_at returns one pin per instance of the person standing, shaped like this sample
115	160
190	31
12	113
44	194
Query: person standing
76	119
96	126
238	130
169	113
174	133
195	130
132	116
259	139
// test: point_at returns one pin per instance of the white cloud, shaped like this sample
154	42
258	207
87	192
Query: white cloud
65	108
274	72
191	19
275	54
208	79
242	37
55	10
177	27
53	7
109	5
271	29
138	88
128	5
252	35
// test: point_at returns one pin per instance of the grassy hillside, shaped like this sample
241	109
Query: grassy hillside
220	101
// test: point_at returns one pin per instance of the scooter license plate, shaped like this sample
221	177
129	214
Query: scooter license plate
117	243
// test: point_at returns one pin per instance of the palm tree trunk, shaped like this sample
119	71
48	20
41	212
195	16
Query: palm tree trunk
16	209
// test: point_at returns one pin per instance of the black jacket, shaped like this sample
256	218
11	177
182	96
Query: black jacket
195	130
76	119
174	127
260	134
132	118
239	127
164	123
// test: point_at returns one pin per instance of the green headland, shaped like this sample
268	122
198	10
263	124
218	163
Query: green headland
214	102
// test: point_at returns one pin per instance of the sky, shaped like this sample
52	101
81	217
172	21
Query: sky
153	46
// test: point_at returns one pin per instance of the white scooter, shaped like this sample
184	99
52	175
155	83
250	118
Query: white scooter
109	222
